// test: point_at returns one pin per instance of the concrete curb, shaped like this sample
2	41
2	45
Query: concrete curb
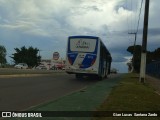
22	75
29	75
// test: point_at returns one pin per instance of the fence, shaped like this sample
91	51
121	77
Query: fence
153	69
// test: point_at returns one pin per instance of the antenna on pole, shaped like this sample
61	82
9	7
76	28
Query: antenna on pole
39	52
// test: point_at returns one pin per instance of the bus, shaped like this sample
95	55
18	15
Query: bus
87	56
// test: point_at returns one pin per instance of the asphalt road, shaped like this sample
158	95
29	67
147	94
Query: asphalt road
22	92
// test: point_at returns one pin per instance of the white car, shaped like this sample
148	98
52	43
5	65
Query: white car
41	67
21	66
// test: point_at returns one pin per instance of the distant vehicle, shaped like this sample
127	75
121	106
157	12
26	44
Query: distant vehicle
87	56
63	68
21	66
53	68
60	66
113	70
41	67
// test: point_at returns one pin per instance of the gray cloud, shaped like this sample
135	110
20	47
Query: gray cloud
47	24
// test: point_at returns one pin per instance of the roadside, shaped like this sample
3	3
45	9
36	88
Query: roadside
131	95
86	99
123	93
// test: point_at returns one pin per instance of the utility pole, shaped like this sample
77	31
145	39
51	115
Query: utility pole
134	50
144	43
39	52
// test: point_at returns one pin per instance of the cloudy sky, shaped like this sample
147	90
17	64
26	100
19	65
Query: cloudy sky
46	25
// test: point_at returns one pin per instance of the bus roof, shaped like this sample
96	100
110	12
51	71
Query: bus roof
82	36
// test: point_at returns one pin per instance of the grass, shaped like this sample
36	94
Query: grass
12	71
130	95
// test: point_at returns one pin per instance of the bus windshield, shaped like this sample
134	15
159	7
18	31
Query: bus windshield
82	44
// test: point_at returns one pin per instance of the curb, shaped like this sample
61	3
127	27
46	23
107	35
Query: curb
28	75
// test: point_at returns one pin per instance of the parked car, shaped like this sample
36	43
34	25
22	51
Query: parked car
53	68
58	67
21	66
41	67
63	68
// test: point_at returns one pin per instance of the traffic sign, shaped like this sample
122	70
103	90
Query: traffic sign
56	55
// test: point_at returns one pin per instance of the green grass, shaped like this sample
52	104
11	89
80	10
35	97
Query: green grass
130	95
12	71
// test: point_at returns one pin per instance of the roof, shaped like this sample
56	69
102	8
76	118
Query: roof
83	36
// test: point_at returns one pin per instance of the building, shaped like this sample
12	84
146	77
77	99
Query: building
52	64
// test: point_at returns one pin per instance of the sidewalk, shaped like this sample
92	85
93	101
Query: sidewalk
154	82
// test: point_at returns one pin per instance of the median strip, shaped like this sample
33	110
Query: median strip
21	75
10	73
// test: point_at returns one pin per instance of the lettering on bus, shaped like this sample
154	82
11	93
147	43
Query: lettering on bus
82	44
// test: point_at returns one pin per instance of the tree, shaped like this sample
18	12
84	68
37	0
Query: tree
155	55
137	56
3	53
26	55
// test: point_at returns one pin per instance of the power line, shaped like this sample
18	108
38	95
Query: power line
139	16
136	16
131	26
127	17
135	33
131	17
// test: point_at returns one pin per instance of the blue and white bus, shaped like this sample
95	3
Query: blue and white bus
87	56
